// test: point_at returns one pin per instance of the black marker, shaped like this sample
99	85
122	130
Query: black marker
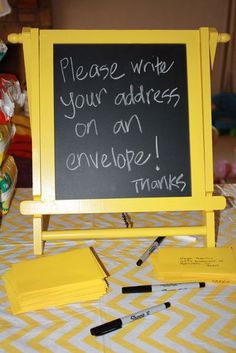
162	287
118	323
148	252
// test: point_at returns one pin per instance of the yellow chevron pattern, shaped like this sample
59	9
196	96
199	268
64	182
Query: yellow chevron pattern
199	321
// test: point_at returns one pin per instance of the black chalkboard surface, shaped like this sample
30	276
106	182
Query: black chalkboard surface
121	121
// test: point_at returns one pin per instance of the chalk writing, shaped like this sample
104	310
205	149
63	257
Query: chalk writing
70	72
123	113
158	66
82	129
125	126
78	101
147	96
169	182
126	159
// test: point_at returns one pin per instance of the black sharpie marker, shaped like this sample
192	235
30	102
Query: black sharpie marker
150	250
119	323
162	287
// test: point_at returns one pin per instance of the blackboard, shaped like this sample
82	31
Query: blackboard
121	121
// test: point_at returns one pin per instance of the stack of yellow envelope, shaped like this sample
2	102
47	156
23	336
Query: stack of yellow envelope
216	265
52	280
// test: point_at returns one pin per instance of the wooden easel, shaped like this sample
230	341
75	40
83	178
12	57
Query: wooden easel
38	53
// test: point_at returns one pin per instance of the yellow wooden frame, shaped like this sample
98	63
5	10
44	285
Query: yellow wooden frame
38	52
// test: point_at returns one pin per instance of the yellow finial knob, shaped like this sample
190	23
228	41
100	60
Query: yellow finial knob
223	37
15	38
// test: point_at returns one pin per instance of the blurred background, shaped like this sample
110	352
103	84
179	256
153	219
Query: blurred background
130	14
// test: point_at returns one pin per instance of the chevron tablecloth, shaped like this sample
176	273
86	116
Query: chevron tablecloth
198	320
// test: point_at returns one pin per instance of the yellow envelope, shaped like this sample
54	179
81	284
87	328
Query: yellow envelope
52	280
201	264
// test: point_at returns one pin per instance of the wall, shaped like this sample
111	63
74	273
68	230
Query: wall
30	13
146	14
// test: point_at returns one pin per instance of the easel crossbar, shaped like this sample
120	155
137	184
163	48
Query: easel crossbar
107	233
47	207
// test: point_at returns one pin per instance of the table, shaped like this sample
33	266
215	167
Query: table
199	320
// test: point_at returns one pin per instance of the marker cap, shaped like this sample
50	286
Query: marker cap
137	289
139	262
106	328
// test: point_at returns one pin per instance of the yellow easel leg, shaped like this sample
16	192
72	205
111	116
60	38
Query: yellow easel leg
37	233
210	226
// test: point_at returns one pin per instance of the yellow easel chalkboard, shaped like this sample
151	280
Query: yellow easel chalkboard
121	122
